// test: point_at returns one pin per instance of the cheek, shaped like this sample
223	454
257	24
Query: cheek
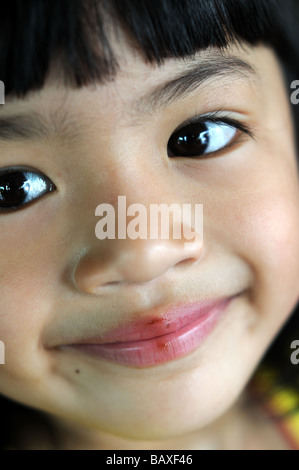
26	281
265	224
268	229
254	215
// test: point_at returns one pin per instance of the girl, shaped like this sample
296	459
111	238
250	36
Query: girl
146	343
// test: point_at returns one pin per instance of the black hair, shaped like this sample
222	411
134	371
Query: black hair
78	33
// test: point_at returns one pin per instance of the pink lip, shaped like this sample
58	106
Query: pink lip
157	339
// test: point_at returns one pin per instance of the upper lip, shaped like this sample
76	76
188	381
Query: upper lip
152	323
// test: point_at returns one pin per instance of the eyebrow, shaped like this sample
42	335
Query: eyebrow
31	126
23	127
195	75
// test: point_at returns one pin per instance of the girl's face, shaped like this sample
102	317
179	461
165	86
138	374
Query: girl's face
61	285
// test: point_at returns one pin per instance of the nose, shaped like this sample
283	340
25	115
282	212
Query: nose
131	261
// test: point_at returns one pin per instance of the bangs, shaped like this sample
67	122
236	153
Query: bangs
34	32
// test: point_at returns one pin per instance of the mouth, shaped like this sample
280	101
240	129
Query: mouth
156	339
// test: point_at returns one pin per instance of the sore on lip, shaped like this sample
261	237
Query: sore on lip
155	340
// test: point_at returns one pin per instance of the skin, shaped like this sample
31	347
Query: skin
54	270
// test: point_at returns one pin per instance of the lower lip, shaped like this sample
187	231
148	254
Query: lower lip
159	349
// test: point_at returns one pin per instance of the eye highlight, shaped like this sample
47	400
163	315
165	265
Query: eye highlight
204	136
19	187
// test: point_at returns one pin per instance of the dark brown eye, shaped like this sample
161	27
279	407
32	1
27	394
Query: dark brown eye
200	138
19	187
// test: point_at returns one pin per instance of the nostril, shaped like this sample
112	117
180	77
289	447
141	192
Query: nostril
132	263
184	261
112	283
187	262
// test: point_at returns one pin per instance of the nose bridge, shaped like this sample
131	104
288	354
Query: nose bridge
128	244
133	244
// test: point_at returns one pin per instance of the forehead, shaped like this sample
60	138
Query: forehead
148	85
141	91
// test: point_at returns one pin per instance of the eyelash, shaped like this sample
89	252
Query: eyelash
216	117
14	179
7	207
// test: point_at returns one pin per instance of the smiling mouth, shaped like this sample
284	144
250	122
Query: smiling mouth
151	341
